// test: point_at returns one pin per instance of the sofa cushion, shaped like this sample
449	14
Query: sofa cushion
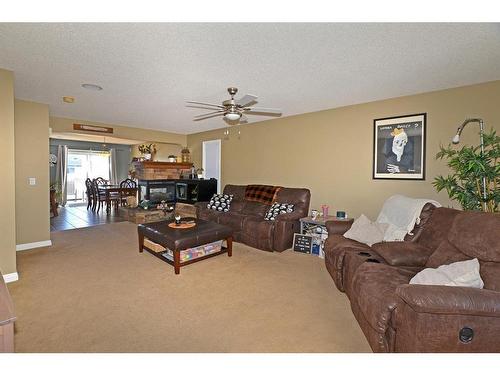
477	234
336	248
237	206
465	273
353	259
490	273
374	288
446	253
437	227
298	196
237	191
254	209
278	209
258	233
233	219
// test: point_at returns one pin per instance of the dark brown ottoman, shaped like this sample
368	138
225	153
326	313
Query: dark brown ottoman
181	239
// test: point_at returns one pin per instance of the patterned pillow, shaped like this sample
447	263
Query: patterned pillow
278	209
220	202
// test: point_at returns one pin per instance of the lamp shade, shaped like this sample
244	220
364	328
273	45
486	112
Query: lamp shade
232	116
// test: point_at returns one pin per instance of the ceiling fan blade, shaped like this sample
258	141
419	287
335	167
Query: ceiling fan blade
245	100
207	117
208	104
271	111
203	107
211	113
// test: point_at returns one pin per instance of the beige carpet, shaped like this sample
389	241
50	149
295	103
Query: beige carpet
93	292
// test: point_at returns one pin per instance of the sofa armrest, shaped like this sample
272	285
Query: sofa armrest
338	227
403	253
437	299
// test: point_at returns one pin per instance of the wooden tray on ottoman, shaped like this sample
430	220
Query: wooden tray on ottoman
160	235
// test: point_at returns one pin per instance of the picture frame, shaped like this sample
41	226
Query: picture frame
302	243
399	147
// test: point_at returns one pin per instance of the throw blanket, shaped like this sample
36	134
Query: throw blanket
401	213
261	193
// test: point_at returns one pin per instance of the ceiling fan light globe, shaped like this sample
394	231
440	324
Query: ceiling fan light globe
232	116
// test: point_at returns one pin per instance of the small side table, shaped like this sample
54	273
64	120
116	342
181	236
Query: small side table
317	228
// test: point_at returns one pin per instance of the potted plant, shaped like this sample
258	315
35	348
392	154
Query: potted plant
147	150
470	167
55	189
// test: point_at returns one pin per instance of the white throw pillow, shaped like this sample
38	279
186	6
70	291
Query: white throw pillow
365	231
465	273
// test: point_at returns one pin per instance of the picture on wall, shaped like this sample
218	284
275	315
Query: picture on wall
399	147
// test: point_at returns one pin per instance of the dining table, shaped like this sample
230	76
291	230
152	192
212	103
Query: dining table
110	189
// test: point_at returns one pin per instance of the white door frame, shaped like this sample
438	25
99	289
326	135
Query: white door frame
203	158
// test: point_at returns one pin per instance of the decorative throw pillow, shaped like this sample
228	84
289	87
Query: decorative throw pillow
465	273
220	202
278	209
365	231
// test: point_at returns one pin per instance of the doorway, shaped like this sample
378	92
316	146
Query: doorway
83	164
211	161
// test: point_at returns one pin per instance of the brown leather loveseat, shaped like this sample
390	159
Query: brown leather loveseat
398	317
247	217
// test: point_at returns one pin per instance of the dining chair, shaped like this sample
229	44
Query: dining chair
99	197
127	183
88	193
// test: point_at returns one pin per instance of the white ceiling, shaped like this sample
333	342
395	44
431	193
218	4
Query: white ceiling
149	70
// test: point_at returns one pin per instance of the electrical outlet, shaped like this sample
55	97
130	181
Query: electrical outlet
32	181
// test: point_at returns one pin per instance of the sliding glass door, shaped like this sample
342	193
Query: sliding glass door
83	164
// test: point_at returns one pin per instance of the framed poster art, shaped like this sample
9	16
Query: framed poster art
399	147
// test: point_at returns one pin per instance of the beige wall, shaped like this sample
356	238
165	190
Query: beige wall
163	150
32	150
330	152
59	124
7	197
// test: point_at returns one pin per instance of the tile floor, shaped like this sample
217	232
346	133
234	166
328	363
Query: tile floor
76	215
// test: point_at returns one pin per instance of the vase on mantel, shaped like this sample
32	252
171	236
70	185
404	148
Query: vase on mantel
148	157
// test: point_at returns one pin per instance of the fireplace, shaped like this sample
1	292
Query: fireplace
184	191
156	191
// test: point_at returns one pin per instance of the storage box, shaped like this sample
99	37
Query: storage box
188	254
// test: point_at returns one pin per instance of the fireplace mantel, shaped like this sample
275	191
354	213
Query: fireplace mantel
160	170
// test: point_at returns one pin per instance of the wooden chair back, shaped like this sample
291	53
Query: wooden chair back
101	181
128	183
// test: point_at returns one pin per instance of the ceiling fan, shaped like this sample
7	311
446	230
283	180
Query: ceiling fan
233	110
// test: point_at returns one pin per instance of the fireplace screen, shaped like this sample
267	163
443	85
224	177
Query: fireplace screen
157	191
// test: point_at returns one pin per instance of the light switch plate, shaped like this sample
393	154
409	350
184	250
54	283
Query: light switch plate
32	181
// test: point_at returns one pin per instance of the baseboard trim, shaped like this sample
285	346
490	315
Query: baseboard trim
11	277
33	245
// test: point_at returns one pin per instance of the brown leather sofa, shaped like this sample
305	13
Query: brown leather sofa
247	218
398	317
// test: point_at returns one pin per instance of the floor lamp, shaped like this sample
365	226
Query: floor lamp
456	140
